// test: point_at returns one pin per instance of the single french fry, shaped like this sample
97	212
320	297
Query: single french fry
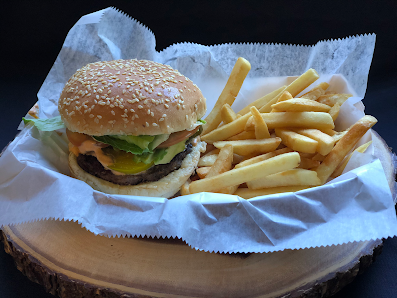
286	178
203	171
334	111
207	160
238	176
262	157
185	189
247	147
227	114
223	161
222	164
341	167
260	102
296	87
325	142
300	105
342	148
229	93
247	193
261	130
296	141
332	99
318	120
308	163
316	92
228	130
245	135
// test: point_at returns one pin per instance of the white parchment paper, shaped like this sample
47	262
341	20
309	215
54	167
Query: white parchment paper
357	206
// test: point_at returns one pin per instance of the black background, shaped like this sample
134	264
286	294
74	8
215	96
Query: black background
32	34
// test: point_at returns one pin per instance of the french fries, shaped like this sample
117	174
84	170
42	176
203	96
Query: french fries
294	88
229	93
278	143
238	176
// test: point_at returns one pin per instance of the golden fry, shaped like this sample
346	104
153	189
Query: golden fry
227	114
247	193
345	144
262	157
229	93
300	105
261	130
286	178
318	120
247	147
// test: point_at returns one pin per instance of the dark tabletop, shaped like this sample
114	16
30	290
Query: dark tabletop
32	35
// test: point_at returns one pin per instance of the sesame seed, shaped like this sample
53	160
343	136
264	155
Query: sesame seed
155	124
166	106
161	119
91	116
113	113
140	107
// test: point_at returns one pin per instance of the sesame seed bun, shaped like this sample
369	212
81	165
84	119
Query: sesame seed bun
166	187
130	97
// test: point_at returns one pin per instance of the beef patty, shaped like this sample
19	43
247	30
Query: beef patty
91	165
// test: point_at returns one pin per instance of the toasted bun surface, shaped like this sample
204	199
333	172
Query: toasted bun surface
165	187
130	97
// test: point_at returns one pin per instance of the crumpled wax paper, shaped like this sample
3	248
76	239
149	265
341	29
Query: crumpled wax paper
357	206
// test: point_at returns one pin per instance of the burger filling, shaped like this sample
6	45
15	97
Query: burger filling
130	160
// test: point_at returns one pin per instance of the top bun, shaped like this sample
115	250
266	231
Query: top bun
130	97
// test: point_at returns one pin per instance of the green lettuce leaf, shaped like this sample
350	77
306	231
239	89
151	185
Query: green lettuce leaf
202	121
141	141
121	144
49	124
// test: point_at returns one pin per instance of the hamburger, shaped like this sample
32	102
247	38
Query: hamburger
133	127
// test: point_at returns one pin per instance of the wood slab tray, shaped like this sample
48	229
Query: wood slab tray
69	261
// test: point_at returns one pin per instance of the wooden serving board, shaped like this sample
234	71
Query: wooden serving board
72	262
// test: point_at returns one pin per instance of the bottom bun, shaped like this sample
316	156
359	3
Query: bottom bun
166	187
